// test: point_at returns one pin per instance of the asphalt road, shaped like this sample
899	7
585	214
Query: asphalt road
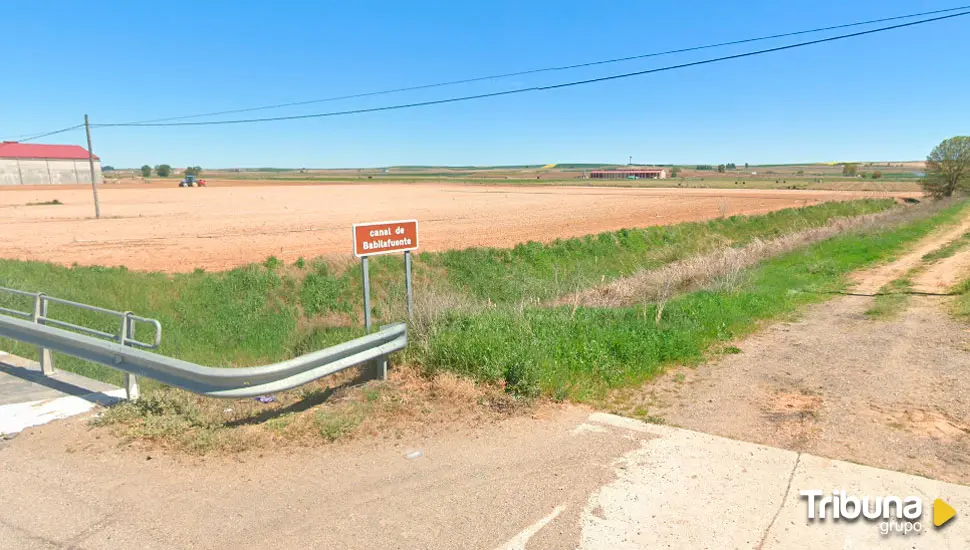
568	480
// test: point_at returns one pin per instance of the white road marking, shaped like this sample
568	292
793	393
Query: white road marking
519	541
17	417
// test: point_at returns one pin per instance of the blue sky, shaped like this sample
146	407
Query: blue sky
889	96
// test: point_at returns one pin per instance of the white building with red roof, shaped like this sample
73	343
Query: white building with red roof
37	164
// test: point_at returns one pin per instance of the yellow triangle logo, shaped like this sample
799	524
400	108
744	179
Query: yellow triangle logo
942	512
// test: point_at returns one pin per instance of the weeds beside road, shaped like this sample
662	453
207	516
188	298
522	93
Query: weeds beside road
483	313
583	353
269	312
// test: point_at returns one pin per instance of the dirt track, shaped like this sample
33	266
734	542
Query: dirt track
890	393
176	230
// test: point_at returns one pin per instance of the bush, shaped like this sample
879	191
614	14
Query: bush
522	378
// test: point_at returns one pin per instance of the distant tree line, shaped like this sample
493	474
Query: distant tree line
165	170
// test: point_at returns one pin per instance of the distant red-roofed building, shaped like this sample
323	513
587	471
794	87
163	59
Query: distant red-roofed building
38	164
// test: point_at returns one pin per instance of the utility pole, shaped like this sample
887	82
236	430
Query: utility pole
94	181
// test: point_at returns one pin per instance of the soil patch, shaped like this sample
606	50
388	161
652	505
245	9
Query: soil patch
173	229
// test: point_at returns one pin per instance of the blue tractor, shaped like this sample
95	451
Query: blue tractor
190	181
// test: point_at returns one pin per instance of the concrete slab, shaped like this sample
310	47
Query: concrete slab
28	398
687	489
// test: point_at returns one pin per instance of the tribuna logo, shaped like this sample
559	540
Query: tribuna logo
840	505
899	515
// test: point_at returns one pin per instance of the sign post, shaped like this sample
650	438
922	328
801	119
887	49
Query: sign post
372	239
407	283
363	268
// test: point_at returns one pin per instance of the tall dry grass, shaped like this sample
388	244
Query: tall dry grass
725	268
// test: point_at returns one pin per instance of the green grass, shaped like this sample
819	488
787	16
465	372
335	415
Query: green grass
891	300
536	271
584	354
961	304
949	249
268	312
241	317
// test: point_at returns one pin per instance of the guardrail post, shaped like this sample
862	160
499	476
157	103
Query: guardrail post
128	332
44	356
382	362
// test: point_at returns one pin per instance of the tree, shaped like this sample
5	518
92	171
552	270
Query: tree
746	166
674	171
146	171
948	167
163	170
731	166
849	169
107	168
876	175
720	168
193	171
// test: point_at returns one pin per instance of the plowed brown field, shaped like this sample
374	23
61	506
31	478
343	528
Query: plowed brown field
170	229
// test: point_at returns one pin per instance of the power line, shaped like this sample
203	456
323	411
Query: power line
550	69
55	132
535	88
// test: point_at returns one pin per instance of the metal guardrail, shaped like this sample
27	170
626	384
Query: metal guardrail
131	357
214	381
127	322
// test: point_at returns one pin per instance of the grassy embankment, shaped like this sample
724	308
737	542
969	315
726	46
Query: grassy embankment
486	316
263	313
582	354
